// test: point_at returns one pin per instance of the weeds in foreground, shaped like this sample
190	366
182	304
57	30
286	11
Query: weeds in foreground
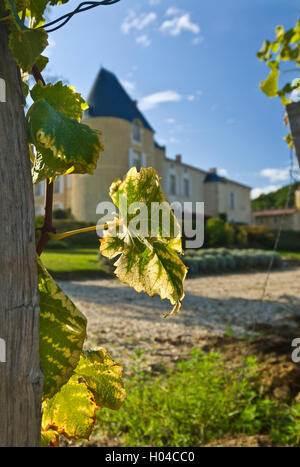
199	401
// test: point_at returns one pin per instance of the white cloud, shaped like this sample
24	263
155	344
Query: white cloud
130	86
173	11
178	24
275	175
170	120
197	40
154	2
143	40
137	22
255	192
223	172
173	140
153	100
191	98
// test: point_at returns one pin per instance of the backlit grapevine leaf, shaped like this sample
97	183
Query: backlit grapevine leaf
62	333
270	85
26	44
103	378
72	411
62	98
49	438
63	144
42	62
148	261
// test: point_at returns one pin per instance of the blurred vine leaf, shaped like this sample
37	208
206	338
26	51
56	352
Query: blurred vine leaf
285	48
63	144
148	260
62	333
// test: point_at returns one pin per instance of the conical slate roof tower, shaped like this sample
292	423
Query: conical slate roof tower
108	98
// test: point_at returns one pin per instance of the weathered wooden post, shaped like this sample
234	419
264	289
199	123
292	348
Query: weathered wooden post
20	373
293	112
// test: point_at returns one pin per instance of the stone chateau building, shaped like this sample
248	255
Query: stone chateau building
129	140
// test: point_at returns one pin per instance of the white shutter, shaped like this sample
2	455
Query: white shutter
144	160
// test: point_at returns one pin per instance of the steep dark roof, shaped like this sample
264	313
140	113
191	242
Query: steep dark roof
213	177
108	98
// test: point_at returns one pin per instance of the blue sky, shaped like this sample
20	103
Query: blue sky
192	66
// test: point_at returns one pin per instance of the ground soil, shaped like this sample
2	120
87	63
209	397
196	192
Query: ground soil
222	313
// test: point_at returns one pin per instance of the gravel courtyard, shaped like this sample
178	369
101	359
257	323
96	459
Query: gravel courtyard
122	320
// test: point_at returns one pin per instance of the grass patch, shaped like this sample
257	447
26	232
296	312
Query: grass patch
293	255
199	401
74	264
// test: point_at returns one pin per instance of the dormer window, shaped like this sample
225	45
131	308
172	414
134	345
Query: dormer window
136	131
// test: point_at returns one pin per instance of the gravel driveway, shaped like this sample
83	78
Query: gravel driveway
122	320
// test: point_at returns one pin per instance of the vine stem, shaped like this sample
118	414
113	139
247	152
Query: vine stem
55	236
5	18
75	232
47	226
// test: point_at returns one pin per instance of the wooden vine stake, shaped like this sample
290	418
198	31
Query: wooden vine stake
293	111
21	379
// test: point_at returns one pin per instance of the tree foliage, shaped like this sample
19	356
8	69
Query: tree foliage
275	199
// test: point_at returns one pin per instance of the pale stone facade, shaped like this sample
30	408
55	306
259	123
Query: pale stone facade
130	142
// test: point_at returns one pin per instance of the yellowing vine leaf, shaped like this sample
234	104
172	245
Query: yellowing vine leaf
49	438
146	262
95	384
62	333
62	98
103	377
72	411
63	144
270	85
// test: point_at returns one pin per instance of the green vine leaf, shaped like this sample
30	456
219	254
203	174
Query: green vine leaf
62	333
62	98
42	62
26	45
270	85
149	262
103	378
63	144
72	411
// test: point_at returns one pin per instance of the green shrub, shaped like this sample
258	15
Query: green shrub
222	259
230	263
211	263
215	232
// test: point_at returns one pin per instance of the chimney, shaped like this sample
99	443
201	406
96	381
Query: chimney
213	170
178	158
